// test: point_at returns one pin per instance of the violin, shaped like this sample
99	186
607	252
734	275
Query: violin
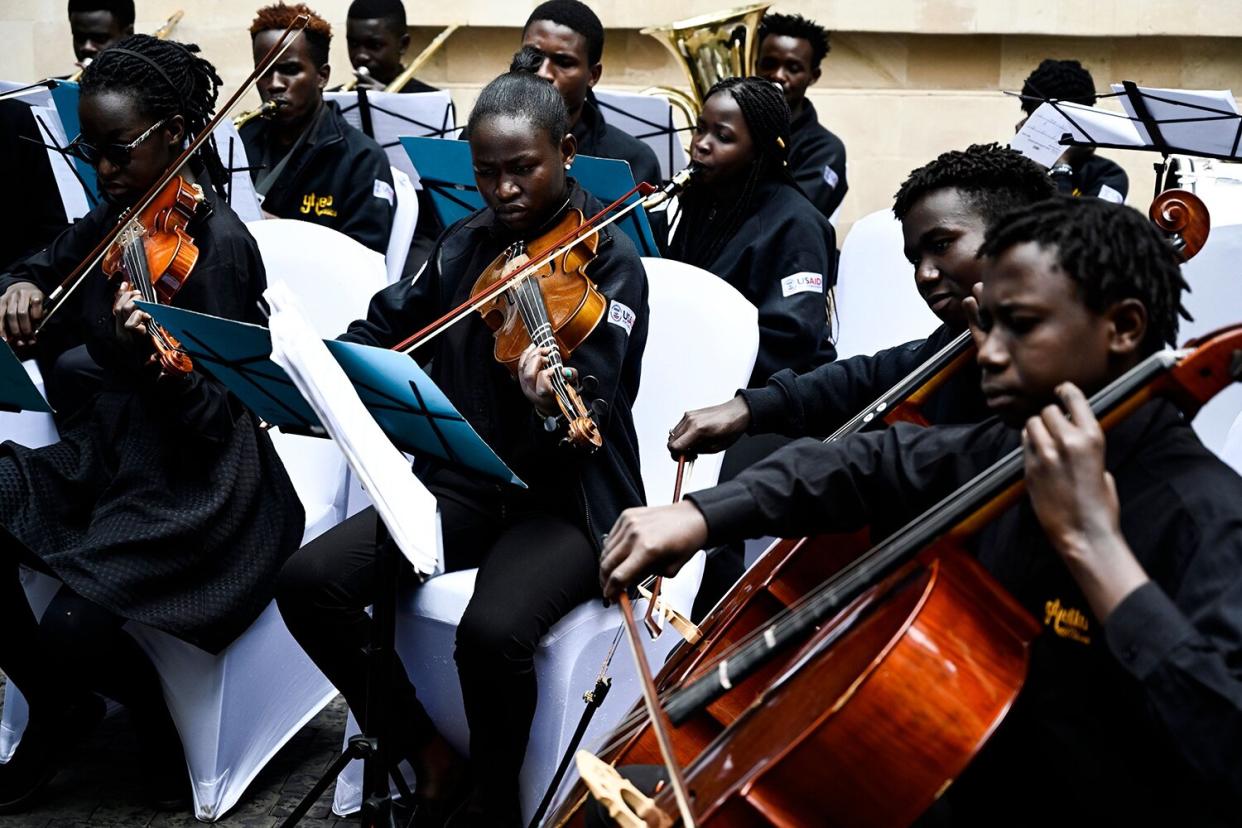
555	306
156	255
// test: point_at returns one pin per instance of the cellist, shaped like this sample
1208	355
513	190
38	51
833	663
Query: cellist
1128	549
537	549
162	502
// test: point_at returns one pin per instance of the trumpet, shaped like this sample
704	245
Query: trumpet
364	74
161	33
77	76
361	75
266	110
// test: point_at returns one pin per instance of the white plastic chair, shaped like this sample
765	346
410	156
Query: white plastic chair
878	305
403	223
701	347
1232	452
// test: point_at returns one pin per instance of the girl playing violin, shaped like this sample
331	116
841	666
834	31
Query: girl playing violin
537	549
163	502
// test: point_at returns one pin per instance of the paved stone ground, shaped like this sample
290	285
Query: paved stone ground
102	786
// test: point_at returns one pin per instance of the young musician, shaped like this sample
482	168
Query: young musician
537	548
163	502
944	208
570	38
97	24
1079	171
1128	547
377	37
310	164
791	49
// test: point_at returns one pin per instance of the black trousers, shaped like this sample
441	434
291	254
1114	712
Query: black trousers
535	565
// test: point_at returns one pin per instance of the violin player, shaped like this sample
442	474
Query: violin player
163	502
1127	547
537	549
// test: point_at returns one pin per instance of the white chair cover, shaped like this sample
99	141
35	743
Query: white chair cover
403	224
877	304
701	347
649	118
1232	452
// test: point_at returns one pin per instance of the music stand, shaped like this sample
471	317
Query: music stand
649	118
387	116
17	390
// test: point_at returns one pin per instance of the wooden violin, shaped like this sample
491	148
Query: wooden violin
556	306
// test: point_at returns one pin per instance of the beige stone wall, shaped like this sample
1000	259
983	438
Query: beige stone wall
906	79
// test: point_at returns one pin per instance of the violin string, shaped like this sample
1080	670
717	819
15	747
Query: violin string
534	315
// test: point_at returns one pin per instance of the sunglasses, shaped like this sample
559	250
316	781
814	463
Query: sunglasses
119	155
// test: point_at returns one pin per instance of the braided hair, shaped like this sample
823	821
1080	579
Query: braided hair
166	78
705	226
1062	80
799	27
992	179
1112	252
520	94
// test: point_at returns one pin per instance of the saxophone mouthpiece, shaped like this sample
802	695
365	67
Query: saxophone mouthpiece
674	186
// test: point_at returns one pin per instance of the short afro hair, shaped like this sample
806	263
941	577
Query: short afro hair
574	15
279	17
122	10
993	179
1111	251
391	12
520	94
1061	80
795	25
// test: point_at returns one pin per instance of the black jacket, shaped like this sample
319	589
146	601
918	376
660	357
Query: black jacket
338	177
597	139
783	259
1130	721
31	211
461	363
816	403
817	161
1091	176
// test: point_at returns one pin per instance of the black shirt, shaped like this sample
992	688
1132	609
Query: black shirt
31	211
1130	722
337	177
1090	178
817	161
462	364
816	403
783	259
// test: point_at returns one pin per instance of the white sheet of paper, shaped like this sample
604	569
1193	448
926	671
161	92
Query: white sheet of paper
242	197
38	96
72	195
405	505
1040	137
1213	116
394	114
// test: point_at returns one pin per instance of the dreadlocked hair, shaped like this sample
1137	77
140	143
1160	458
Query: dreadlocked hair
519	94
278	17
183	84
797	26
992	179
1110	251
706	226
1061	80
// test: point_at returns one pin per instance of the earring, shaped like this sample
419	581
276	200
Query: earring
567	166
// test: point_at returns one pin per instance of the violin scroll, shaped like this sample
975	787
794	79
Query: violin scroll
1185	217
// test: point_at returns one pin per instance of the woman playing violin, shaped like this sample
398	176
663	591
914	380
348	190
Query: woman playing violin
537	549
1128	550
163	502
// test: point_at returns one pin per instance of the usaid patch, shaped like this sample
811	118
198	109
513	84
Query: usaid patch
621	316
830	177
384	190
802	283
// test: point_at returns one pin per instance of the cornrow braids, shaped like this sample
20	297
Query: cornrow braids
166	78
278	17
1112	252
1062	80
797	26
705	227
520	94
993	180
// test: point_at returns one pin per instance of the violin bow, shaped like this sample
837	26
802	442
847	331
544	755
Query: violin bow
658	610
62	292
650	197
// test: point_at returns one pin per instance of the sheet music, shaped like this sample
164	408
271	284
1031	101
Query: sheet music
394	114
1192	121
1040	137
242	197
649	118
72	194
38	96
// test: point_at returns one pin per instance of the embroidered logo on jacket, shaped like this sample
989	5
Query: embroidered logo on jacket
1066	622
320	206
804	282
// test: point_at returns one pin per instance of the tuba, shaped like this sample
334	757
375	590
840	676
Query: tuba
709	48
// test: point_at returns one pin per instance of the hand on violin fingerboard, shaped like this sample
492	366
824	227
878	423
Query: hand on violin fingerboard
21	308
536	377
131	323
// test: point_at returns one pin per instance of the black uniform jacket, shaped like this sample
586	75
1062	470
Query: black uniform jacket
1092	176
163	501
597	139
817	161
1131	721
338	177
816	403
31	211
461	360
783	259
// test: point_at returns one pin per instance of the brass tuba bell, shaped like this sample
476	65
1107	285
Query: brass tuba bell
709	48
